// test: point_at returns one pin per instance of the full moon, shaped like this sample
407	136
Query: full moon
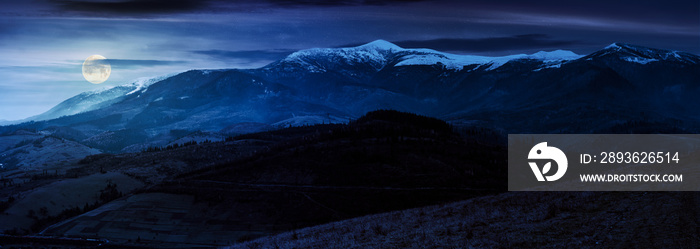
96	69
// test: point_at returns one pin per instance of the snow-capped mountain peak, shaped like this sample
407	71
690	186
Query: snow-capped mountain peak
556	55
645	55
380	52
613	45
143	82
374	54
635	50
380	45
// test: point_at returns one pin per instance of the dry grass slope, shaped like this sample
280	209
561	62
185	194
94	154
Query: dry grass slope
516	220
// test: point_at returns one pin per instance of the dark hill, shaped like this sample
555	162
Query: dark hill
301	176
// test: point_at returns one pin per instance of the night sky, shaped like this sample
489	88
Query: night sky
43	43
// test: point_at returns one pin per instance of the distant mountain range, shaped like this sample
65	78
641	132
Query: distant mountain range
618	88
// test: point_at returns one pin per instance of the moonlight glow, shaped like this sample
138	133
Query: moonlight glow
96	69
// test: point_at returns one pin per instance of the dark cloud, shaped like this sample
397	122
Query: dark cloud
491	44
132	7
138	63
321	3
248	55
147	7
682	12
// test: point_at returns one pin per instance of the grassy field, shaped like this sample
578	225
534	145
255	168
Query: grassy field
155	220
60	195
517	220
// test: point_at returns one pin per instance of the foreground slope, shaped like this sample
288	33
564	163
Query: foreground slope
517	220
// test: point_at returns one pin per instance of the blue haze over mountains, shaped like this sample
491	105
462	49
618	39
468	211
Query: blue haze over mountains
616	89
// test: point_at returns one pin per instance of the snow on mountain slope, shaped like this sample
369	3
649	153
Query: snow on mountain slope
644	55
378	53
374	54
457	62
92	100
639	60
143	82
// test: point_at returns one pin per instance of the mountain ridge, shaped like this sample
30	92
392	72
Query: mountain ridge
334	85
377	46
646	54
383	52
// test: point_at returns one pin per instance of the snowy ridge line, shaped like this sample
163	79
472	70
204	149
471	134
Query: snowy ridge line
457	62
139	83
381	51
644	55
